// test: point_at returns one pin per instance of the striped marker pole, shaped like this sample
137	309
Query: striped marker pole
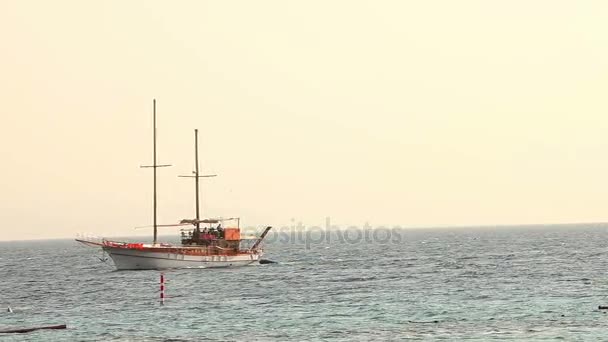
162	289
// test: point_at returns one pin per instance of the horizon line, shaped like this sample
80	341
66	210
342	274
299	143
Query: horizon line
393	227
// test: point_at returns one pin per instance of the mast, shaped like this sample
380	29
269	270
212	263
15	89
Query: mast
154	166
196	179
198	216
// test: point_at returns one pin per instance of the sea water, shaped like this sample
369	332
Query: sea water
509	283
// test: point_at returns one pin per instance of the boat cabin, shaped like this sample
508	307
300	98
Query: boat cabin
209	232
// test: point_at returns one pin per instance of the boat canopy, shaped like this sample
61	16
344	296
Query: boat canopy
208	220
195	221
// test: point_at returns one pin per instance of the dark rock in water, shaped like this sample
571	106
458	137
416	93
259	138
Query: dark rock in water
603	307
26	330
266	261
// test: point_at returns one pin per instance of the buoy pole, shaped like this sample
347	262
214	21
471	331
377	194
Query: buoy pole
162	289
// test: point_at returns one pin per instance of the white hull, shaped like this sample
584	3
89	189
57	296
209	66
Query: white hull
131	259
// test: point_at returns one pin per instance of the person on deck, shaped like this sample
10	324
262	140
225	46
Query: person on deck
197	234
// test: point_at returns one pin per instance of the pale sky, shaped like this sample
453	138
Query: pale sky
410	113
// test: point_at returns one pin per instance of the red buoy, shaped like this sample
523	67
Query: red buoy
162	289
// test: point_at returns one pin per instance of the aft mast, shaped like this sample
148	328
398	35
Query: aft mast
196	179
154	166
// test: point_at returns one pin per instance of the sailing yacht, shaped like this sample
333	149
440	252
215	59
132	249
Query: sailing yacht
207	242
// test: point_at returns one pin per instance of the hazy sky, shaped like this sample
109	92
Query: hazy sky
411	113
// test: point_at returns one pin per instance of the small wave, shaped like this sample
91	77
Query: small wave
424	322
352	279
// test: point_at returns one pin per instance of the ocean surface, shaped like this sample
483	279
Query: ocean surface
504	283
